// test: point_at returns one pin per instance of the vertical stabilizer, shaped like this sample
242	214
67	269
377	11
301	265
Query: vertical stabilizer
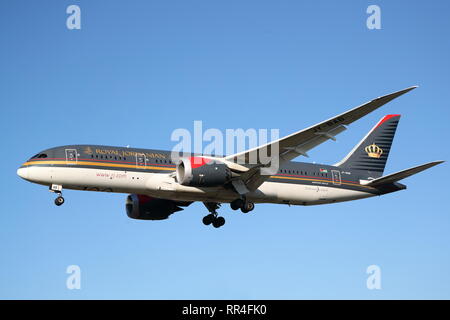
372	152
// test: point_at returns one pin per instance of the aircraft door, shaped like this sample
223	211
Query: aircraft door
71	156
141	160
336	176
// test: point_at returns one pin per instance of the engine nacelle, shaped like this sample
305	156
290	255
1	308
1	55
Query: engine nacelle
202	172
147	208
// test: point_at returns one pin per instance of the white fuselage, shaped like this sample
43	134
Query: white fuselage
163	185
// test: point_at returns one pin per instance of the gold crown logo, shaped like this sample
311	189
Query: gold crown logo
374	151
88	150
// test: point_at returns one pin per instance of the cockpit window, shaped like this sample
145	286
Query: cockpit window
39	155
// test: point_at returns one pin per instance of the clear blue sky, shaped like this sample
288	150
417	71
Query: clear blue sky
137	70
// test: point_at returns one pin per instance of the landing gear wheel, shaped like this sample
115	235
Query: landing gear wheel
207	220
237	204
59	200
247	207
213	218
218	222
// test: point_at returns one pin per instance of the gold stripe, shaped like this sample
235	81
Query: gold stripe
348	184
99	164
117	165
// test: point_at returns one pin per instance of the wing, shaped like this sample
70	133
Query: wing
300	142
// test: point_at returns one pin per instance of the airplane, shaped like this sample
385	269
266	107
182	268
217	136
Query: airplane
160	184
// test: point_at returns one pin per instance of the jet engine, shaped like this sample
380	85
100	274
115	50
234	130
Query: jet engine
143	207
202	172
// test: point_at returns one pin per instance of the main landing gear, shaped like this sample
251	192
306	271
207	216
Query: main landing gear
213	218
56	188
242	204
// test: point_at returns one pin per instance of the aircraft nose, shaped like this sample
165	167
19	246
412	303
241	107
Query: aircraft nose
23	173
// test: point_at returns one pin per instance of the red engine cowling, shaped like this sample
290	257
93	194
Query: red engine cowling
143	207
202	172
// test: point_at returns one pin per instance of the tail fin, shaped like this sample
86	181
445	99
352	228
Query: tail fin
371	153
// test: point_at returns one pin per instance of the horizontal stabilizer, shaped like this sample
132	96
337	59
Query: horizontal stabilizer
394	177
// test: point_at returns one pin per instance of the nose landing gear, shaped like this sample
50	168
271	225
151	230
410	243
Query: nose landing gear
59	200
56	188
